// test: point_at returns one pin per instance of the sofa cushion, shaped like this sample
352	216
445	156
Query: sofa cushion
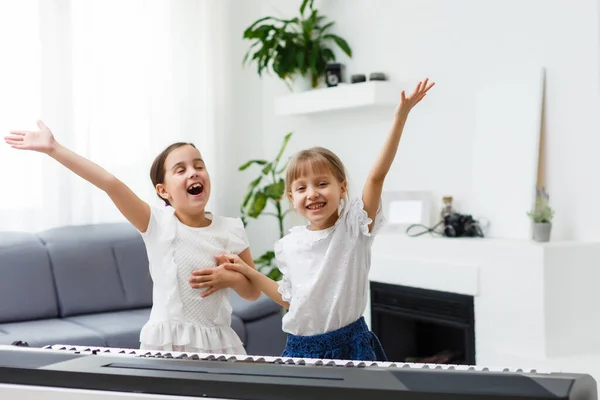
26	283
88	279
265	336
49	331
132	261
121	328
251	310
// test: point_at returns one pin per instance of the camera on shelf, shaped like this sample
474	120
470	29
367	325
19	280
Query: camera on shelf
461	225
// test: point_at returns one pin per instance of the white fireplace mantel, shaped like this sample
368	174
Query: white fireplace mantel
532	301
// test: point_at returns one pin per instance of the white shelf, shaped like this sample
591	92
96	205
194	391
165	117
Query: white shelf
344	96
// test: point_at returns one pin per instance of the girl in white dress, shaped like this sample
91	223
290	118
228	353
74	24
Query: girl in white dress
179	237
325	264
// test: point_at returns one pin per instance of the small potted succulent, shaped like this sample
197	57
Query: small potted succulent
541	216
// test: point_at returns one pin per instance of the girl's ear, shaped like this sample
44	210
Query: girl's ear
162	191
343	189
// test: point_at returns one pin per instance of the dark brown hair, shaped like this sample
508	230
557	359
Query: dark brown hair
157	170
316	158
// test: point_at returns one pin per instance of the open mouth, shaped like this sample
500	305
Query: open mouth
195	189
315	206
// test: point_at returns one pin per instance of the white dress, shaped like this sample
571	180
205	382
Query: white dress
325	273
180	319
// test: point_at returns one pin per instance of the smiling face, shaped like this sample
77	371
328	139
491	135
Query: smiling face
316	184
186	183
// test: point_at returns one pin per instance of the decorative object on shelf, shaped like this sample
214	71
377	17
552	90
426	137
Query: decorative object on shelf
451	224
541	215
377	76
297	50
447	208
405	208
335	74
268	187
357	78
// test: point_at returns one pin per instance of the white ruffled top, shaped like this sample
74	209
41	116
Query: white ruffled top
325	272
180	318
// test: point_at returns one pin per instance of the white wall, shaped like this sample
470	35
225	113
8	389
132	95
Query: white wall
449	42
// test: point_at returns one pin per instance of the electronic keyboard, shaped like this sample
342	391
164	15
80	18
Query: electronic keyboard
198	375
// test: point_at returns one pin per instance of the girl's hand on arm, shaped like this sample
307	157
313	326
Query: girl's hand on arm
374	185
241	284
215	278
264	283
131	206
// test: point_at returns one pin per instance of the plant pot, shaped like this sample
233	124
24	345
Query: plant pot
541	231
301	83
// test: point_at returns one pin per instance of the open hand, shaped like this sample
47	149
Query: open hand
41	140
407	103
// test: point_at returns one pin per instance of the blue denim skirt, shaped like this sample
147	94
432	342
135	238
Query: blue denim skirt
352	342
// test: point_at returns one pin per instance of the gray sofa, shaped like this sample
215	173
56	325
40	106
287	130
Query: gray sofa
89	285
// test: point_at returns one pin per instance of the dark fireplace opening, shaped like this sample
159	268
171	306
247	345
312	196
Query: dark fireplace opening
421	325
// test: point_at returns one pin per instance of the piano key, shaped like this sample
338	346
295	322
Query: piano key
288	361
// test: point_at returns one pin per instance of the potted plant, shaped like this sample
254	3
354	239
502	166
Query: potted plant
297	50
268	187
541	216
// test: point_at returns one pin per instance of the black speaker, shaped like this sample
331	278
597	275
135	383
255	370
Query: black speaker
334	74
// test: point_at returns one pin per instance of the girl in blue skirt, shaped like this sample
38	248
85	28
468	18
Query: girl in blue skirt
325	264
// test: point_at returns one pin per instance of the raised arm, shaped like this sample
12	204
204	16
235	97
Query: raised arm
131	206
374	185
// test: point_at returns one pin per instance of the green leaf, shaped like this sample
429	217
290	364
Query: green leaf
248	31
340	42
265	259
267	168
286	139
275	274
275	190
251	188
247	199
258	205
325	27
249	163
304	4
